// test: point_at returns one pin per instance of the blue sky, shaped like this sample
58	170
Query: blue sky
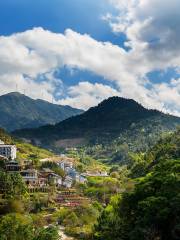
83	16
140	61
58	15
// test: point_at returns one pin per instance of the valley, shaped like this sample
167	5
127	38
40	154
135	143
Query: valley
89	120
92	176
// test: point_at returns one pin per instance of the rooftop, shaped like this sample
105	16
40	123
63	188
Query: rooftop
12	163
3	157
29	170
7	145
47	170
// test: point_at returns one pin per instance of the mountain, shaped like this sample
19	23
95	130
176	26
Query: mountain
113	119
19	111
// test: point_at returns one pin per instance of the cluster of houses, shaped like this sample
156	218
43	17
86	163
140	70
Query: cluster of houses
40	178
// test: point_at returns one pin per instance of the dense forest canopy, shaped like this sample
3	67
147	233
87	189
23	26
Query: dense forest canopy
152	209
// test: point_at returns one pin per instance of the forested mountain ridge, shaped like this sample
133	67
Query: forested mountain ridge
19	111
113	119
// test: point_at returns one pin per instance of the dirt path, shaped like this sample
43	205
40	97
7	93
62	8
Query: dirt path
63	236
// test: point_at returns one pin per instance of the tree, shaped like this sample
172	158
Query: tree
71	220
151	211
12	185
20	227
16	227
49	233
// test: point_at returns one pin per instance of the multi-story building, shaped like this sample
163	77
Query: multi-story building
8	151
12	166
51	176
30	176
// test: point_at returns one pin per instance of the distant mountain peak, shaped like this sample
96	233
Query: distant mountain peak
16	94
20	111
119	100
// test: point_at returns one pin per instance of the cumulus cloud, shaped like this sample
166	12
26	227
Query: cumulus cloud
86	94
39	51
30	58
169	95
18	82
152	24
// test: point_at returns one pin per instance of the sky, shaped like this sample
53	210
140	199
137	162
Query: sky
80	52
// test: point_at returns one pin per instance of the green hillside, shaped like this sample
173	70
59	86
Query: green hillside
152	209
25	151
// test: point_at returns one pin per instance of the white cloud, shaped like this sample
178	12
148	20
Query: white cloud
37	53
154	24
85	95
17	82
169	95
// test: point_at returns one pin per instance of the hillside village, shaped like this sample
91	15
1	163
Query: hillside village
41	180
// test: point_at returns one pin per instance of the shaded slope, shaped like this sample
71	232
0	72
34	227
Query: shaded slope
103	123
19	111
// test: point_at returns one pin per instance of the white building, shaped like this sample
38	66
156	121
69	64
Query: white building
64	165
1	142
67	182
82	179
8	151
